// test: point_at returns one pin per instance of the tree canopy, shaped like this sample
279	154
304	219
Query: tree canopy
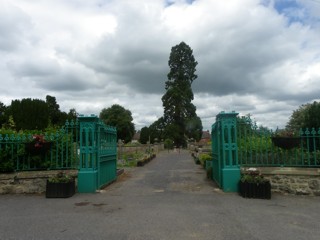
34	114
29	114
121	118
180	115
53	108
306	116
144	135
3	118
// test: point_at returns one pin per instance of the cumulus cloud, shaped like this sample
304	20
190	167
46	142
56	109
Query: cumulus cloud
257	57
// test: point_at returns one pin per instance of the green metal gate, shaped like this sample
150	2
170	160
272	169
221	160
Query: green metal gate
225	168
98	154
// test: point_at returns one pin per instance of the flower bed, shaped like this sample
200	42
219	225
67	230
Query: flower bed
145	160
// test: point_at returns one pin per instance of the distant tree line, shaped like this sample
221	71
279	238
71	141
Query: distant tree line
37	114
306	116
33	114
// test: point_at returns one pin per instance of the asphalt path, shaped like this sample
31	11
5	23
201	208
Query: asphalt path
169	198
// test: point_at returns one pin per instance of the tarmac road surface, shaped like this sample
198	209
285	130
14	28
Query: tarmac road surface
168	198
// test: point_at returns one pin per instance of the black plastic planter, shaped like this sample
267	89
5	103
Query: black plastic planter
255	190
60	190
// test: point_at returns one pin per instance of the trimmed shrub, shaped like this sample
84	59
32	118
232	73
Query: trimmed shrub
203	158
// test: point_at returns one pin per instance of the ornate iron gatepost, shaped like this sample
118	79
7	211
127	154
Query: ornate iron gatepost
226	171
98	154
88	167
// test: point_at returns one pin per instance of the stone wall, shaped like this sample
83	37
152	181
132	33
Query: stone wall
295	181
155	148
27	182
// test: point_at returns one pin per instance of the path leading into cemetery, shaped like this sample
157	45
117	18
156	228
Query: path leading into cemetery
169	198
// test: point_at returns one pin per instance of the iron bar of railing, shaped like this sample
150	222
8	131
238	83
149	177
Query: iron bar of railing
255	149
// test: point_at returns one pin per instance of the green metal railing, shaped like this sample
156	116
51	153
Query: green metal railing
258	147
41	151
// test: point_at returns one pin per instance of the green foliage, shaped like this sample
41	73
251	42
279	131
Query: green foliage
34	114
53	108
250	137
255	143
130	159
33	149
253	177
306	116
157	130
194	128
168	144
203	157
61	177
145	160
312	118
174	131
72	115
3	117
144	135
29	114
180	116
121	118
6	160
285	133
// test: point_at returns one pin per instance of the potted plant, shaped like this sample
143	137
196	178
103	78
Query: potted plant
60	186
252	184
286	139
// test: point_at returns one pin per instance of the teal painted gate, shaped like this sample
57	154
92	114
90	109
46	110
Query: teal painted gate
98	154
225	168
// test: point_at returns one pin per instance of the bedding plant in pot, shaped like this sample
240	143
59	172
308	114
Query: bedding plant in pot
60	186
252	184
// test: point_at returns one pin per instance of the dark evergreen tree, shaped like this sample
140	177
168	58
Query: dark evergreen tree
157	130
55	115
3	116
144	135
117	116
179	113
312	118
29	114
72	114
194	128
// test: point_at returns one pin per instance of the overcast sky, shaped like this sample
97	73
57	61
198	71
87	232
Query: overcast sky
258	57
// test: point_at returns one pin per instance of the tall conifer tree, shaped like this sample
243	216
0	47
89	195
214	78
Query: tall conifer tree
179	112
